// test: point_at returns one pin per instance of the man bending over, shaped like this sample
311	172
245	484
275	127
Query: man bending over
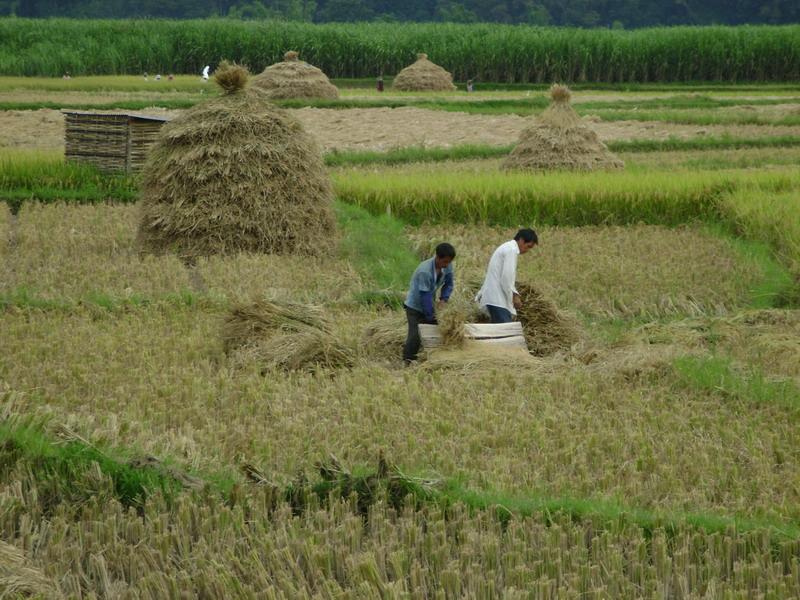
499	296
432	275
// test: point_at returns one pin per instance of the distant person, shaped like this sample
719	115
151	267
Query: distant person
170	77
205	72
66	75
431	275
158	76
379	84
498	295
470	86
145	75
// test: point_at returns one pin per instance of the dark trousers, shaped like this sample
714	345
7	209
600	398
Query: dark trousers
499	314
413	341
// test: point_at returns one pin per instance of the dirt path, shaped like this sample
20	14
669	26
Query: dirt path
386	128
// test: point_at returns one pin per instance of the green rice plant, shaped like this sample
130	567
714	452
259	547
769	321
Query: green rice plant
704	117
717	375
413	154
341	158
420	196
767	216
46	176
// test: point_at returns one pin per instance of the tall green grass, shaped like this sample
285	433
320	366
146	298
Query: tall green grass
490	53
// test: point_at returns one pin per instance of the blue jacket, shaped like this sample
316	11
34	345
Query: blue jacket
424	285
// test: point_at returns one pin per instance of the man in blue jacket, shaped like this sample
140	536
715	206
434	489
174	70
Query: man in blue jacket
431	275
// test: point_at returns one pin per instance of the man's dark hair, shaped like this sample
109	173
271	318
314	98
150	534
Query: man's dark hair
527	236
445	250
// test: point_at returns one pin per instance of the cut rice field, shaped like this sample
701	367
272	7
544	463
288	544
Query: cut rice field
655	453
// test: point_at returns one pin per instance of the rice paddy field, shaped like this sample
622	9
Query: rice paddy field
657	455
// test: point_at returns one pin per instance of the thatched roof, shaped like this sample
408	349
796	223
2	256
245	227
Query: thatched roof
235	174
294	78
423	76
560	139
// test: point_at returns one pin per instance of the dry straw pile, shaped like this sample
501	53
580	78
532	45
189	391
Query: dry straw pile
236	174
294	78
383	338
560	139
288	337
547	330
423	76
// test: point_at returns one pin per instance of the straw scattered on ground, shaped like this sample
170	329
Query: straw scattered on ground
422	76
236	174
477	357
560	139
294	78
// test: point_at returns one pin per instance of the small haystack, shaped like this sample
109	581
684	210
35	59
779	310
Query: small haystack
547	330
294	78
236	174
423	76
290	337
560	139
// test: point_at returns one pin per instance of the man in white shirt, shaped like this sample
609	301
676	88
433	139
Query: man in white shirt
499	296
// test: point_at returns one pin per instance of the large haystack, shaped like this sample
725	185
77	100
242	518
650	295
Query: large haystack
423	76
560	139
294	78
236	174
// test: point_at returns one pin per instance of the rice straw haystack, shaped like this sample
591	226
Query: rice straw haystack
294	78
282	336
423	76
546	329
235	174
560	139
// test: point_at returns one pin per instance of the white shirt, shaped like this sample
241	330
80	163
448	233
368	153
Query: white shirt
498	286
205	72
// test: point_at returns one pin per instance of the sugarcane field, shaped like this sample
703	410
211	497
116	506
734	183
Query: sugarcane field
398	311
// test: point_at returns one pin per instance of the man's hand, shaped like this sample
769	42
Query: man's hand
517	301
441	304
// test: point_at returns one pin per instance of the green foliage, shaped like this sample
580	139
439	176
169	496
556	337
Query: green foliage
378	249
62	466
48	178
413	154
487	53
555	198
717	375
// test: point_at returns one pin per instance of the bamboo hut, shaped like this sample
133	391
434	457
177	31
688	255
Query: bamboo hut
110	141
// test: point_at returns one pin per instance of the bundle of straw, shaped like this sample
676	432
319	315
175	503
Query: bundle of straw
546	329
384	337
262	319
283	336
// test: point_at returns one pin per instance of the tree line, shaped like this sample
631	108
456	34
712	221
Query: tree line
575	13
